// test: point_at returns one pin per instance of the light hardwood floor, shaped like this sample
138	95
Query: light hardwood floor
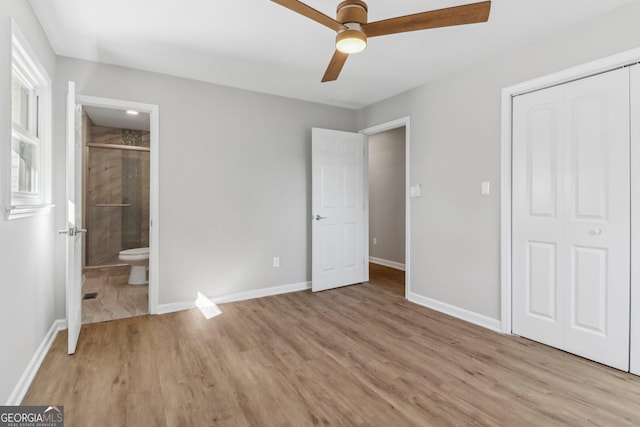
359	355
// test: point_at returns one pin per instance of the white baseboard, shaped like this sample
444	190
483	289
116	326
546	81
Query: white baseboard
32	368
460	313
259	293
386	263
175	306
238	296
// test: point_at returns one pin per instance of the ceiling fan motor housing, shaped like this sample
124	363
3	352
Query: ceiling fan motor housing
353	14
352	11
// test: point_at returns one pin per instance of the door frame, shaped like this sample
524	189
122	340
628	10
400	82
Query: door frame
603	65
394	124
154	176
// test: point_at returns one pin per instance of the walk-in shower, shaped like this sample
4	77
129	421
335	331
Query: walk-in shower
117	191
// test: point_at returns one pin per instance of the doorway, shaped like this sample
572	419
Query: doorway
388	210
124	137
115	180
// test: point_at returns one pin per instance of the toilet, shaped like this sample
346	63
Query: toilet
138	258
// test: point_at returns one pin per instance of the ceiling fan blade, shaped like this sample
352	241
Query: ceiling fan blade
458	15
335	66
311	13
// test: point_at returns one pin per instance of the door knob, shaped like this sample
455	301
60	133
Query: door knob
318	217
595	232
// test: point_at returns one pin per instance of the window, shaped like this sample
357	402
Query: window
25	143
30	185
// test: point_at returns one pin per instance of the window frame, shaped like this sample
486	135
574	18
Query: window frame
28	70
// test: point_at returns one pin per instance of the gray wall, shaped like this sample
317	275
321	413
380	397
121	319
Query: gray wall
455	144
234	177
27	299
387	195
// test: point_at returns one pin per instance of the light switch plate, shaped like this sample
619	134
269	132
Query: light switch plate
486	188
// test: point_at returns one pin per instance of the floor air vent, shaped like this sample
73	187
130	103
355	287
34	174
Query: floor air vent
90	295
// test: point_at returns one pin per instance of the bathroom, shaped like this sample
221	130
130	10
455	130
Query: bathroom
115	181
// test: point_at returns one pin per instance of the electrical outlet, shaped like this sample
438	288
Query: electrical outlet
276	261
375	241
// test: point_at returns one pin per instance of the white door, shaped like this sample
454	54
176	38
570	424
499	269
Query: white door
571	217
74	220
338	207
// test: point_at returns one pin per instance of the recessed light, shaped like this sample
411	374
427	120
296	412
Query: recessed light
132	112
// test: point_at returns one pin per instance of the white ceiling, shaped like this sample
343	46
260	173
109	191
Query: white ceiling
114	118
261	46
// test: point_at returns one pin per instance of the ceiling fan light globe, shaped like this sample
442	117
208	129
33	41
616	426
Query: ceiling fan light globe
351	41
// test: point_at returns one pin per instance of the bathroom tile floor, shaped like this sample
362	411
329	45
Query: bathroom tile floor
116	299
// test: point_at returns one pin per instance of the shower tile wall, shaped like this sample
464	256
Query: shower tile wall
116	176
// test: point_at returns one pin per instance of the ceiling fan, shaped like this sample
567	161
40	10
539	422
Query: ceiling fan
353	29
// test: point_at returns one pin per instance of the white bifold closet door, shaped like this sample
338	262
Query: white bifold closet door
571	217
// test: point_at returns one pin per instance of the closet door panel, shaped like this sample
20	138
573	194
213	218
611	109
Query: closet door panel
635	219
537	217
596	132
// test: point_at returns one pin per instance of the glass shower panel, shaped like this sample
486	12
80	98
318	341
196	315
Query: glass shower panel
135	192
117	203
